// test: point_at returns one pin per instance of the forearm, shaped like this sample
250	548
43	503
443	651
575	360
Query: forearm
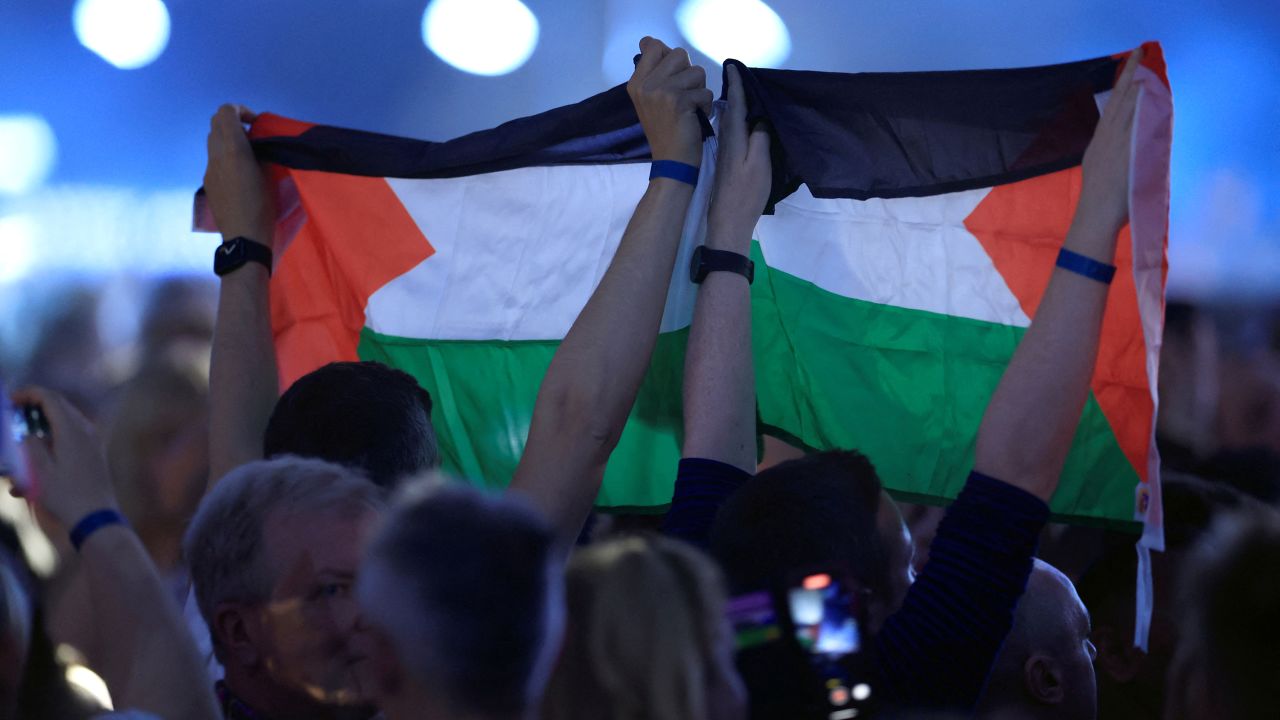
242	374
149	660
593	379
1029	425
937	649
719	375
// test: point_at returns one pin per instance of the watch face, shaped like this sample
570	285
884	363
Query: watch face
696	270
229	256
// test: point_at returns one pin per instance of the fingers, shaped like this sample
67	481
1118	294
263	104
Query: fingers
652	52
759	142
691	78
1130	68
733	126
737	101
1126	87
702	99
673	63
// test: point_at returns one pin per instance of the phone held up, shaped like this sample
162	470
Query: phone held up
24	421
806	641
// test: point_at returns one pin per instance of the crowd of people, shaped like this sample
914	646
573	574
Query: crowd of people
226	550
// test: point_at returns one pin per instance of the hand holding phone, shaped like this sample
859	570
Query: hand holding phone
62	449
13	465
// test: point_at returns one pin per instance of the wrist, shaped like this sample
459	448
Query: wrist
730	228
93	522
720	237
1093	235
689	155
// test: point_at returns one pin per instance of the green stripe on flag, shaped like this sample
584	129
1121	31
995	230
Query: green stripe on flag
483	393
907	388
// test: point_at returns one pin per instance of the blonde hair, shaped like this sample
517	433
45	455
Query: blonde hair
645	636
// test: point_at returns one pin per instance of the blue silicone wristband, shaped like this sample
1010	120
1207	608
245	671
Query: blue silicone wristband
674	170
1086	266
94	522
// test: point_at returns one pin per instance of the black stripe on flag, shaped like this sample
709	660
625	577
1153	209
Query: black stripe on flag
924	133
601	129
844	135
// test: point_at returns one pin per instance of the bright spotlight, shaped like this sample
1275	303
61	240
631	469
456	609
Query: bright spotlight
28	149
17	247
482	37
126	33
747	30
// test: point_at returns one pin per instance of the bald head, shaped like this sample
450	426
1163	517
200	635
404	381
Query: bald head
1045	668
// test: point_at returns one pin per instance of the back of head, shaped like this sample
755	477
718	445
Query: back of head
815	512
466	586
223	546
1228	658
363	414
647	636
1044	669
156	441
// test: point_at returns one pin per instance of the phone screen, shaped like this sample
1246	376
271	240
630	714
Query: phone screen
12	465
823	615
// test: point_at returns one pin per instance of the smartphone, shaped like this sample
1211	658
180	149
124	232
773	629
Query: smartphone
806	635
825	615
24	421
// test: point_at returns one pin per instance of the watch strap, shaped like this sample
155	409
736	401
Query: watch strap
706	261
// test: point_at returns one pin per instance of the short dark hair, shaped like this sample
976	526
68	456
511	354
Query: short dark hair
804	514
363	414
468	586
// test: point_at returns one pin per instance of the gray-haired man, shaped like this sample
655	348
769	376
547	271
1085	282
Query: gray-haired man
273	553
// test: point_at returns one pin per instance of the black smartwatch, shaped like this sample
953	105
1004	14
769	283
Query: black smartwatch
234	253
706	261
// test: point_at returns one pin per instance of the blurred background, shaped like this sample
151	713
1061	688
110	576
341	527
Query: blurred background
104	107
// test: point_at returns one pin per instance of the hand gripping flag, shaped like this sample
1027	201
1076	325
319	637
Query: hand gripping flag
915	222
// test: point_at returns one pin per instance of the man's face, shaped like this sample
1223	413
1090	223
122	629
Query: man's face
311	634
901	552
1078	656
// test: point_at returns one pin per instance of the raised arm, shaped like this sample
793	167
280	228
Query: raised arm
1029	425
719	377
149	660
596	373
243	385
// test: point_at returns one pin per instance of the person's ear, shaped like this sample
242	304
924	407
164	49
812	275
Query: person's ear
236	631
1117	657
1042	679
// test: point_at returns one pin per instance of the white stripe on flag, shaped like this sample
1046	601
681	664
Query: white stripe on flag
907	252
519	252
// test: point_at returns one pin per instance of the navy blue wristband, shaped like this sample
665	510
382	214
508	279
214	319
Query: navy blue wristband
94	522
674	170
1086	266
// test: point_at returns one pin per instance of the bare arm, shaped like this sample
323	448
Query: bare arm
148	658
242	374
1028	427
719	376
596	373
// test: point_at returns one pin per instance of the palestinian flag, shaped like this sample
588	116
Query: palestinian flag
916	218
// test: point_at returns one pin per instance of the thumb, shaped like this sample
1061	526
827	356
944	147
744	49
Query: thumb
759	144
